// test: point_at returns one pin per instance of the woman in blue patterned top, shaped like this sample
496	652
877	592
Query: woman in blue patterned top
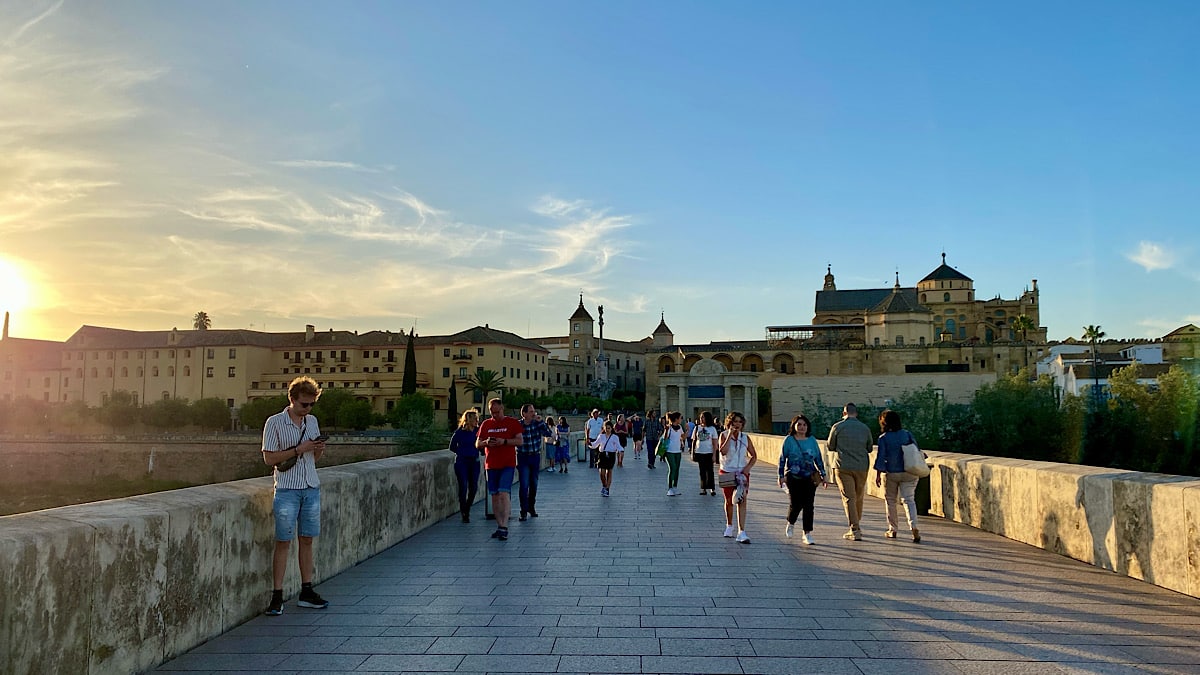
799	460
466	461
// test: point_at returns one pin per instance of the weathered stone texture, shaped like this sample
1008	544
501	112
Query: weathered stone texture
122	585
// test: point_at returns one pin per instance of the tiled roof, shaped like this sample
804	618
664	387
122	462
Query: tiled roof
580	312
945	272
662	328
859	300
33	354
900	302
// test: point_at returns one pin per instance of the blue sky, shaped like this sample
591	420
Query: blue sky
375	165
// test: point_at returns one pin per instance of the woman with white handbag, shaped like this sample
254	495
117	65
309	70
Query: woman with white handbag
889	463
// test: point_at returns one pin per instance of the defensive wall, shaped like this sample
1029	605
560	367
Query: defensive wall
123	585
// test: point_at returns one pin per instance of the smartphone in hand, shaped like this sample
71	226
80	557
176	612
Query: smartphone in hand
321	439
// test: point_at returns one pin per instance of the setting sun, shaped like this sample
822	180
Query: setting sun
15	292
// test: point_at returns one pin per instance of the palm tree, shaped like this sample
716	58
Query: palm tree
485	382
1092	334
1023	324
201	321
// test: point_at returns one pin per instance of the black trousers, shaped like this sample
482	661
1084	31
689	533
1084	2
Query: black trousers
801	493
705	461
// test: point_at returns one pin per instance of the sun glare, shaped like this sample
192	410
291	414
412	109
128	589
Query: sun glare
16	294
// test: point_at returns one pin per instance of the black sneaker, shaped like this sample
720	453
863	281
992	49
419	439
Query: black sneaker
532	513
522	518
276	606
502	535
309	598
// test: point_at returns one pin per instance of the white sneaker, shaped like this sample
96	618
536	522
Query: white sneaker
806	539
743	538
787	531
729	531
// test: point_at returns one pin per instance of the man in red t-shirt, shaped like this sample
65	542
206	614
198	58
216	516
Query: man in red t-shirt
499	436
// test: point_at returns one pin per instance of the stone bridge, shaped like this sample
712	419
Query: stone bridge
635	583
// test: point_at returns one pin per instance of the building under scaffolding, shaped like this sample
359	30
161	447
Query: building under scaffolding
824	336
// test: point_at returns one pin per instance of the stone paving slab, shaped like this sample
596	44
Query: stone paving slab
644	583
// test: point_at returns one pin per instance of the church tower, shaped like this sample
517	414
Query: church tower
663	337
580	335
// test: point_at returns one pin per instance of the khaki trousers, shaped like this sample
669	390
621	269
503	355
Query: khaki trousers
853	486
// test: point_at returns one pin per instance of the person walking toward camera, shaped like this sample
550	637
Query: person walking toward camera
637	429
592	427
801	470
466	461
499	436
737	457
889	465
529	459
850	446
562	452
607	445
705	449
676	438
292	443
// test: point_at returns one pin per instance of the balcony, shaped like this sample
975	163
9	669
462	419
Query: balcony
461	357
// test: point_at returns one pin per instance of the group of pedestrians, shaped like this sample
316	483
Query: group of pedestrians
292	444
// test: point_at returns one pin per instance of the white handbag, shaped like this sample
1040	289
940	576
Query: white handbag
914	460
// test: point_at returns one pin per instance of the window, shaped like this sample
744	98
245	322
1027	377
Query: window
208	372
272	385
527	373
233	352
318	369
876	342
575	327
390	369
154	354
171	354
94	373
187	371
332	354
124	356
479	351
445	372
66	381
171	371
899	340
108	372
576	360
618	364
187	353
558	378
922	339
375	385
210	353
124	372
504	371
45	382
140	372
109	356
945	297
576	344
462	372
637	365
232	371
79	373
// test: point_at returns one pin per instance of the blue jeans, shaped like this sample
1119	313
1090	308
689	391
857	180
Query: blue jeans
467	473
296	506
529	466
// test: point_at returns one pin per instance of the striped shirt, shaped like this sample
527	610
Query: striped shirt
281	433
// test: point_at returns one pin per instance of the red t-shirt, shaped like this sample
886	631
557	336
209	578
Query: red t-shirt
501	456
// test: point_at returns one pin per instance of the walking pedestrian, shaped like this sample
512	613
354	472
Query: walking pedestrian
850	445
529	459
889	465
622	430
606	446
637	428
591	431
737	458
800	470
466	461
562	453
704	450
499	436
676	437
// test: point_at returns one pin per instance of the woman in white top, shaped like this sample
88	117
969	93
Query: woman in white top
704	440
607	446
675	436
737	457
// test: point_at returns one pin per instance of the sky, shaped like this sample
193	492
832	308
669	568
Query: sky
383	165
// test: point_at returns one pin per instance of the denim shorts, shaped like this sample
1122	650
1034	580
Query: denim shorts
292	505
500	480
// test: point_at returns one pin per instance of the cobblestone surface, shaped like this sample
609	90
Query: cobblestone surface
644	583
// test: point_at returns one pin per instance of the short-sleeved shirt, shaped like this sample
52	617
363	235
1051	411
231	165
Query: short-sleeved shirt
281	433
592	427
501	456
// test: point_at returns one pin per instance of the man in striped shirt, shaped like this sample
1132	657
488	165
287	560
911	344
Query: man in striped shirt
292	444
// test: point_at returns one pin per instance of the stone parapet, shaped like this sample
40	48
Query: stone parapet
122	585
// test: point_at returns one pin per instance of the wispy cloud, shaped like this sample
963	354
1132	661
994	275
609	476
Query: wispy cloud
1152	256
323	164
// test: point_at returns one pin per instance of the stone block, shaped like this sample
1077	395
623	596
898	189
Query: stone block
1191	510
128	585
48	565
247	548
1148	516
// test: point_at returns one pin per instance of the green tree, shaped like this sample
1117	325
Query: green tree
483	383
201	321
356	415
1093	334
210	414
254	414
1017	417
1023	324
409	384
119	411
921	412
169	413
329	405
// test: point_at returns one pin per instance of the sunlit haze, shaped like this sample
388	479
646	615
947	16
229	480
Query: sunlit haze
380	165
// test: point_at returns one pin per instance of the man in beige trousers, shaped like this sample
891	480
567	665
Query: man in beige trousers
850	446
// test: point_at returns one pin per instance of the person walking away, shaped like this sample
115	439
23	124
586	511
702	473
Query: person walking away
850	446
676	437
291	444
499	436
637	428
529	459
622	430
466	461
551	443
799	462
562	454
889	465
606	446
737	455
705	448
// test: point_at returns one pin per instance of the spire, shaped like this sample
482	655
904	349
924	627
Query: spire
896	288
943	261
829	285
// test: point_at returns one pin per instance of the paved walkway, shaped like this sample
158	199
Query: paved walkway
643	583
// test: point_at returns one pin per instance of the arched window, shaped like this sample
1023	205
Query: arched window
899	340
951	326
171	371
166	396
924	298
108	372
154	371
140	371
187	371
124	371
945	297
94	373
79	373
